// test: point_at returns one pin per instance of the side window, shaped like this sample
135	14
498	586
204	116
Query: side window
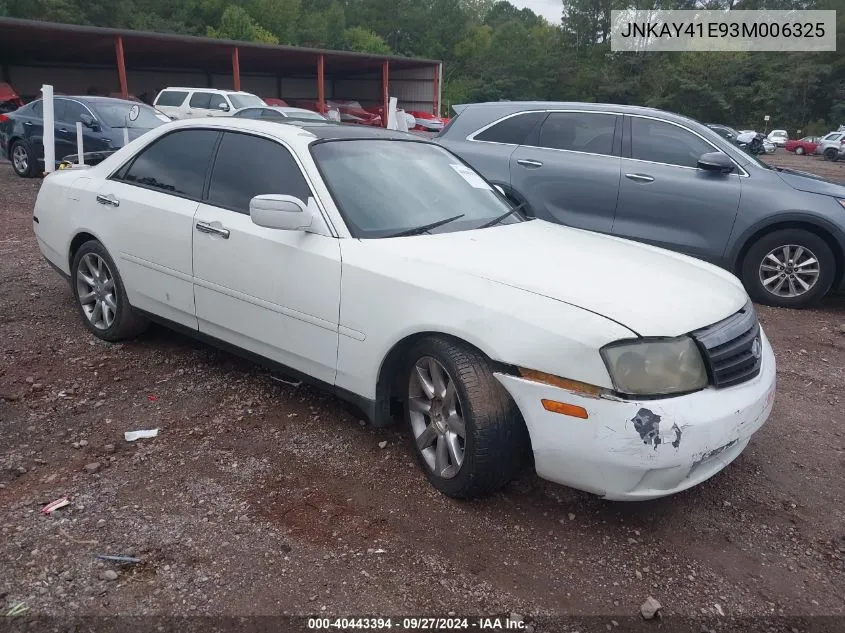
176	163
579	131
214	101
200	99
247	166
71	111
37	109
269	113
171	98
512	130
661	142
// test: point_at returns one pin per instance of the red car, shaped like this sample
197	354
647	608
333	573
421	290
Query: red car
9	99
275	101
350	111
806	145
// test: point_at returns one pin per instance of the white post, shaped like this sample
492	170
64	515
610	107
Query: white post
49	136
391	113
79	152
125	136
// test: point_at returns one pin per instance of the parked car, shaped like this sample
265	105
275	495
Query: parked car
724	131
184	103
806	145
349	111
664	179
9	99
830	145
279	113
638	374
103	120
778	137
274	101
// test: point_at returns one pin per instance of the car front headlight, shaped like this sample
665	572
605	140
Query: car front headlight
655	367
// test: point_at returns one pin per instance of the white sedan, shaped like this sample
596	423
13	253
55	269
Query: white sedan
625	370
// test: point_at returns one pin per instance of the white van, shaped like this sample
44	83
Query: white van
186	103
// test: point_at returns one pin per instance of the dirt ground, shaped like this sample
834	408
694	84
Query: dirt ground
258	498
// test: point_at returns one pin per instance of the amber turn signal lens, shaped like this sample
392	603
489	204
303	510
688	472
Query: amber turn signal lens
563	383
566	409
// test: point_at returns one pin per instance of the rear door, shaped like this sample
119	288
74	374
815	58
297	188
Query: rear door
29	123
568	169
664	199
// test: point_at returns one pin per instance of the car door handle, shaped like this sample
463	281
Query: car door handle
27	122
639	177
527	162
109	200
205	227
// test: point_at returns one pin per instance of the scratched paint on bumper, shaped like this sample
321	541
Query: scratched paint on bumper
643	449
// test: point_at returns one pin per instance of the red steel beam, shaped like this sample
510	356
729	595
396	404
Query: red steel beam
236	69
321	81
385	97
121	66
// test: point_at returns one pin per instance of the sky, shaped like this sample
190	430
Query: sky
549	9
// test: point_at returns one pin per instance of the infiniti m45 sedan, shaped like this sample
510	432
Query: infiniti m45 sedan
619	368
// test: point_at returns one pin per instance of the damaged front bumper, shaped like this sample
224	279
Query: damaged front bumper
636	450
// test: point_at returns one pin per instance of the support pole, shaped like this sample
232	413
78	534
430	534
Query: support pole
236	69
385	82
80	152
121	67
321	87
49	137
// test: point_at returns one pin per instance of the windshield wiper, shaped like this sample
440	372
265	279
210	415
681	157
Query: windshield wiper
426	227
502	217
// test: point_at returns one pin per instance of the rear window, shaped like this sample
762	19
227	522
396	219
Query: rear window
512	130
171	98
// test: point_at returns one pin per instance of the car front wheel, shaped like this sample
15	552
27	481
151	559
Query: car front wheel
101	296
791	268
799	150
467	432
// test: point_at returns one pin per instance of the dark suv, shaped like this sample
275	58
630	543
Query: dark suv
664	179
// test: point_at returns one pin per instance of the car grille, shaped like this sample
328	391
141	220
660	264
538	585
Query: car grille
732	348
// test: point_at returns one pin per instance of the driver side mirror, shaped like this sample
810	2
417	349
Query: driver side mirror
716	162
89	121
276	211
223	106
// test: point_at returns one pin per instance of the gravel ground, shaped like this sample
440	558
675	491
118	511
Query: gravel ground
259	498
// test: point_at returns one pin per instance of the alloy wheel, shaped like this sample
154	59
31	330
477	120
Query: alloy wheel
20	159
436	417
789	271
95	291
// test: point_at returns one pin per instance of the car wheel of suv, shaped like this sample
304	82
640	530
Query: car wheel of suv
830	153
468	433
23	161
799	150
100	295
791	268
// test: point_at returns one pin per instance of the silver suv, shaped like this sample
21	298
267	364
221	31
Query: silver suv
663	179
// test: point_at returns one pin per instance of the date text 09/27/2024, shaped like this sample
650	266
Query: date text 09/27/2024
417	623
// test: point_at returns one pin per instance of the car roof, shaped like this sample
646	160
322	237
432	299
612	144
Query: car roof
93	99
237	92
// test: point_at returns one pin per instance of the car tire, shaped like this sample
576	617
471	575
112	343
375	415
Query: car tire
799	150
760	265
830	153
465	398
101	296
23	159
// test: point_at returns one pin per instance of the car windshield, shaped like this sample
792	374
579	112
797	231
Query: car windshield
117	115
246	101
384	187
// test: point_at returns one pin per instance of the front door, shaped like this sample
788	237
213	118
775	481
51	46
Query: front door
665	200
272	292
569	173
151	203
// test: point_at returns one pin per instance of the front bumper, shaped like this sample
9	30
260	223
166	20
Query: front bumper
698	435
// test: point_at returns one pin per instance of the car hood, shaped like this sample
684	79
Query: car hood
651	291
803	181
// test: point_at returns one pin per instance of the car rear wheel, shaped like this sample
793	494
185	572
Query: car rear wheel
467	432
101	296
791	268
23	160
799	150
830	153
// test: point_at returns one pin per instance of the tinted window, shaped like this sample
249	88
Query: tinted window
214	101
247	166
69	111
271	114
579	131
175	163
200	99
661	142
34	109
171	98
512	130
249	113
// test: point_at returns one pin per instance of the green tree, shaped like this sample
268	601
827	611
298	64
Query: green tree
237	24
357	38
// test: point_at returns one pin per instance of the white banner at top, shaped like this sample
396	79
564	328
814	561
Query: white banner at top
764	30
